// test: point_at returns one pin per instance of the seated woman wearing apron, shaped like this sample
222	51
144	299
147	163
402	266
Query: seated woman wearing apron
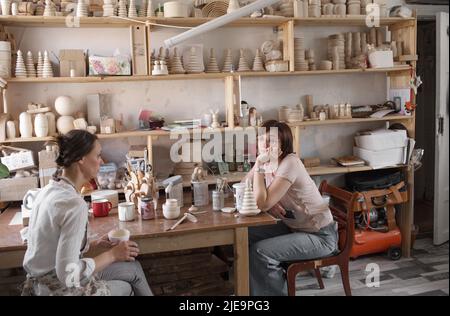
57	234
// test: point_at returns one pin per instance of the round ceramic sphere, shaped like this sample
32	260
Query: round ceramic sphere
65	124
64	105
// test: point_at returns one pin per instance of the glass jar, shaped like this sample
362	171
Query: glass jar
218	200
147	208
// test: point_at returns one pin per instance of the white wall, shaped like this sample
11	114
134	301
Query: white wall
190	99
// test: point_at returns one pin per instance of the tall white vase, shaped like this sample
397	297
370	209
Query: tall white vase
6	7
41	125
25	125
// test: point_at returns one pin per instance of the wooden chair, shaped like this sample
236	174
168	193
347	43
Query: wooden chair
342	206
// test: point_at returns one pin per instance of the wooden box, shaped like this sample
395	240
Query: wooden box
72	59
47	166
139	51
14	189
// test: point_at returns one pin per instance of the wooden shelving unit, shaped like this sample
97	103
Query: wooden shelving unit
399	77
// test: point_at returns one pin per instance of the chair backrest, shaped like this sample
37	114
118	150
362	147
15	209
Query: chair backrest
342	205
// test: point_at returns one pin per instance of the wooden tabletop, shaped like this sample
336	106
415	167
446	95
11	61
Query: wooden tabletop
209	221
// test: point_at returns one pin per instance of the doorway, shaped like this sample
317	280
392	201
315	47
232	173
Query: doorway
425	127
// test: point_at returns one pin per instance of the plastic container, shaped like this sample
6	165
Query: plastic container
381	59
382	140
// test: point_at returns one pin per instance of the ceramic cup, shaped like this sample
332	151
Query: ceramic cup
29	198
171	210
118	235
101	207
126	211
325	65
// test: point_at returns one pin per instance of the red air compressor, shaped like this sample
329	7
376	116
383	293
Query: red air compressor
375	225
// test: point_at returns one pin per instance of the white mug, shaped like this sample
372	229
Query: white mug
29	198
126	211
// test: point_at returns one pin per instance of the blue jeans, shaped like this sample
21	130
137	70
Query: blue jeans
273	244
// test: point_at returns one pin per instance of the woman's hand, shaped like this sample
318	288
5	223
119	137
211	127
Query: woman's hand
277	211
102	242
125	251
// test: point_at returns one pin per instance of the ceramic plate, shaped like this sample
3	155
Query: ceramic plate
229	210
250	213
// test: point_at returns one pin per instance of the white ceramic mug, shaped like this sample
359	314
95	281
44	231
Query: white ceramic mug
126	211
29	198
118	235
171	211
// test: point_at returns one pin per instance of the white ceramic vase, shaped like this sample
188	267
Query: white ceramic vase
6	7
11	130
40	125
65	124
25	125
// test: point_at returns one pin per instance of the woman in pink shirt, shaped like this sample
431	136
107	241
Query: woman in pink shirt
283	187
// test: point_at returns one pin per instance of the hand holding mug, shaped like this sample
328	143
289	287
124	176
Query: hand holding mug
125	251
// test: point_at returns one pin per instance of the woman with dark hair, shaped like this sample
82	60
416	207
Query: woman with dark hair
283	188
57	234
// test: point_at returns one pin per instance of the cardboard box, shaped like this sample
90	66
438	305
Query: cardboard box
382	139
382	158
72	59
14	189
109	65
137	151
139	52
17	158
98	107
108	126
47	166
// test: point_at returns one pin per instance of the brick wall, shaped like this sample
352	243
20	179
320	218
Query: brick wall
187	272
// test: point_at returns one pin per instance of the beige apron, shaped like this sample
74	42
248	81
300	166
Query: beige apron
49	284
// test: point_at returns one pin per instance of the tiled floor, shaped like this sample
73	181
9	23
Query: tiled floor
425	273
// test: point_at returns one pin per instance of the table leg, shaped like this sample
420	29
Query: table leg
241	262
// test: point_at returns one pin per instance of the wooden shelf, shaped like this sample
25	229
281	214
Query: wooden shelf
108	22
352	121
315	171
231	177
205	76
331	169
163	133
349	20
29	139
